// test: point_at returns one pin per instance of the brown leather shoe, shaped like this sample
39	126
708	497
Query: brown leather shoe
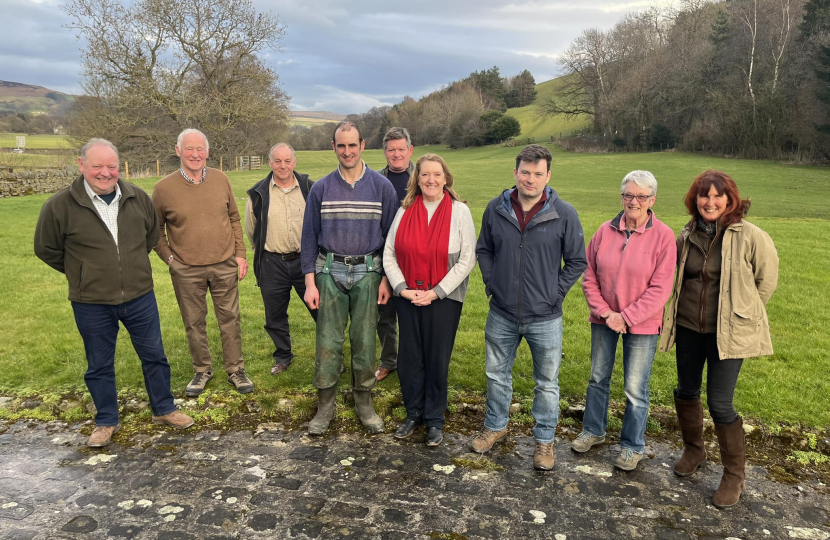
690	418
279	368
733	456
485	440
381	373
543	457
102	435
175	419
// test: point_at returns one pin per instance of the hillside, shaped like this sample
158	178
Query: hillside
32	99
310	118
534	126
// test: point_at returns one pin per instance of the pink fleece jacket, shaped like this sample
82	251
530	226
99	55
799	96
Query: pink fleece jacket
632	276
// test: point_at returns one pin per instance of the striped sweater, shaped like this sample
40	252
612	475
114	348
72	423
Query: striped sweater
347	219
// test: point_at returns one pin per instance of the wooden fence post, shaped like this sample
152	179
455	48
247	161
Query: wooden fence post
237	163
158	169
127	169
220	163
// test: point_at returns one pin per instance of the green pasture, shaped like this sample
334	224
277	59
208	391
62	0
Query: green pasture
9	140
40	350
544	127
308	121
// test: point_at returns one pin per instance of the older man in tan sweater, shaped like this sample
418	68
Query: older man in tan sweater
201	241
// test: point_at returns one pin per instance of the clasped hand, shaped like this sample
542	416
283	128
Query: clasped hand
418	297
614	321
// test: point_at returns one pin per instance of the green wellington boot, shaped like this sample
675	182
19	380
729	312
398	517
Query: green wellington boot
325	411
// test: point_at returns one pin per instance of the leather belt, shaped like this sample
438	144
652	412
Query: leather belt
285	256
348	259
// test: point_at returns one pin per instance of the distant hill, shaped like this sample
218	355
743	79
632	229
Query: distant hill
545	127
322	115
31	99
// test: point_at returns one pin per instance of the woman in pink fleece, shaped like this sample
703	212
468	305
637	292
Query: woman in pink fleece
631	264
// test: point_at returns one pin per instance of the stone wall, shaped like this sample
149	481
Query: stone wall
15	184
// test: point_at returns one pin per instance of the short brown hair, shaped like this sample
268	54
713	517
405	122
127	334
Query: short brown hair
532	153
736	208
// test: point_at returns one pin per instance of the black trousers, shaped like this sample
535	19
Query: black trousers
427	336
388	334
277	279
694	350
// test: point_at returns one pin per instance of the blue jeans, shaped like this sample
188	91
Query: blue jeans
98	326
502	337
638	355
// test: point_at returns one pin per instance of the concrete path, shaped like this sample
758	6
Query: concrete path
275	484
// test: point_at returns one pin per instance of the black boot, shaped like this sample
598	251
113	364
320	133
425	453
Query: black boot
407	427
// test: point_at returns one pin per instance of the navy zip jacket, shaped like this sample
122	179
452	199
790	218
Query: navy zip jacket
523	273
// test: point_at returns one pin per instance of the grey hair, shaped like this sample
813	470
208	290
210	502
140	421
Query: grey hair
643	179
397	133
95	142
187	132
281	145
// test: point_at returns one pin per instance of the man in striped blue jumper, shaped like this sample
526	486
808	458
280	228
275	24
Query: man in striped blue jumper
348	214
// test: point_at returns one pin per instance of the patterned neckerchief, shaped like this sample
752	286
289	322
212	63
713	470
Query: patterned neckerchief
204	175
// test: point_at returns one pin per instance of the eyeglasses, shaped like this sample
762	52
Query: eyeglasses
628	197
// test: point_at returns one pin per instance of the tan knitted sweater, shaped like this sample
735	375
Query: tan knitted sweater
199	223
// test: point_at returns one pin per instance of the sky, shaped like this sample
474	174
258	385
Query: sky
347	57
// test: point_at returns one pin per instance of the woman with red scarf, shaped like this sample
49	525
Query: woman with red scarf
429	254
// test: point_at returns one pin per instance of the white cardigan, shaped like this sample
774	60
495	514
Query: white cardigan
462	255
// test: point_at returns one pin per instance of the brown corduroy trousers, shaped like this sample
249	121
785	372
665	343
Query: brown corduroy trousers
191	284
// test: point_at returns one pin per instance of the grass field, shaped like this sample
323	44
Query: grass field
545	127
40	349
308	122
9	140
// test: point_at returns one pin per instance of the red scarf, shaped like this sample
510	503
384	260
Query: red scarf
422	248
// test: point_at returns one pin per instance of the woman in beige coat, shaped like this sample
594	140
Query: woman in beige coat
726	272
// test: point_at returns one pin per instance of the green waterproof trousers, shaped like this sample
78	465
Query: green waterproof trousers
337	306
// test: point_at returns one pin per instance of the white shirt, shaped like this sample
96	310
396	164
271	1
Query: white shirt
108	212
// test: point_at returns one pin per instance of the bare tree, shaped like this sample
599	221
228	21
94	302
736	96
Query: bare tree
155	67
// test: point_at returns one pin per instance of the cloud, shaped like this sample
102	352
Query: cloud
349	57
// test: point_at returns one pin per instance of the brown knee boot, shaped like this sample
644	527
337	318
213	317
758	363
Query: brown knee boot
690	417
733	457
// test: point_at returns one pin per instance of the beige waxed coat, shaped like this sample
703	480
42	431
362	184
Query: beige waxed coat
749	276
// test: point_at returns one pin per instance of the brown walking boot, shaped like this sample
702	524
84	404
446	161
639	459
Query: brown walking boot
733	457
102	435
485	440
543	456
176	419
690	417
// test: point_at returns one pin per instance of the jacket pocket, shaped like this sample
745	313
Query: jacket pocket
745	335
81	279
746	302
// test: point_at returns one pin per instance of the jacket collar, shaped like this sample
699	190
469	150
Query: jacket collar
409	171
78	192
615	223
546	213
263	185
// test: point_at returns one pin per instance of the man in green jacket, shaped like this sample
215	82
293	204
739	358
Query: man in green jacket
98	232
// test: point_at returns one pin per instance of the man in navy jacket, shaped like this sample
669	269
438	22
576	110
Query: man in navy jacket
527	233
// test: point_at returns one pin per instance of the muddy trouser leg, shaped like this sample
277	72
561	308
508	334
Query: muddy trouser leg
332	316
363	311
